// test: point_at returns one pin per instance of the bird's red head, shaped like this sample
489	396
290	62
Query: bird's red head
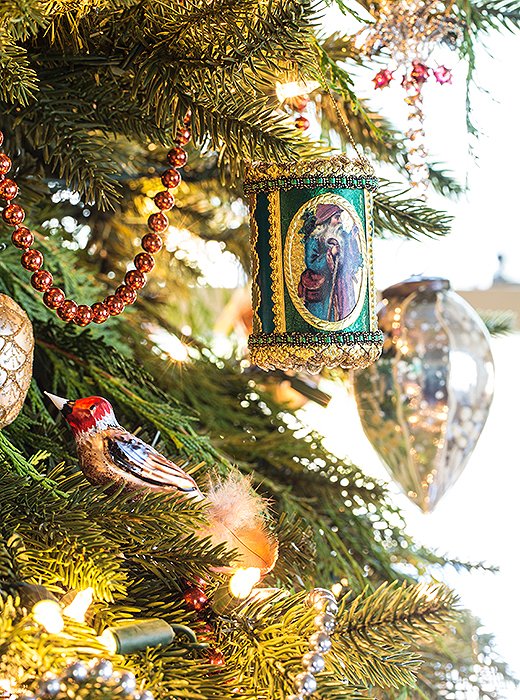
86	415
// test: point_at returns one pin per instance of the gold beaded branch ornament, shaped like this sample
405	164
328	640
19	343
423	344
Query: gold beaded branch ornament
134	280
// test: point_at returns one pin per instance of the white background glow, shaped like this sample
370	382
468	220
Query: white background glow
478	519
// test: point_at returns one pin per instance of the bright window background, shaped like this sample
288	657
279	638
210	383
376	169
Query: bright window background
479	518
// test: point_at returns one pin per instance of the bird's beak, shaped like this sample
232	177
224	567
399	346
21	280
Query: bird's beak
57	400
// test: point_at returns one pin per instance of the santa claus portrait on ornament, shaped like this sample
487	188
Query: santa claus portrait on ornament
329	282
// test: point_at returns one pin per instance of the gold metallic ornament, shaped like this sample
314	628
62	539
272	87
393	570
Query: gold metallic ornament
16	358
424	404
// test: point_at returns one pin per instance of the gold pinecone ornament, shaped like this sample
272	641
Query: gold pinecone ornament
16	358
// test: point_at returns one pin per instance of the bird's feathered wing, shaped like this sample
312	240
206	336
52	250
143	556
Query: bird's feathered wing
142	462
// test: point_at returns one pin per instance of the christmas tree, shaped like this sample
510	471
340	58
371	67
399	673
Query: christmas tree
96	97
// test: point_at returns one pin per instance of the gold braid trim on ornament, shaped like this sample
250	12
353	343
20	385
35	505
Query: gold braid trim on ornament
369	219
341	164
275	251
314	358
255	265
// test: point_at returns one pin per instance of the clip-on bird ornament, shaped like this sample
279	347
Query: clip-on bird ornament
109	454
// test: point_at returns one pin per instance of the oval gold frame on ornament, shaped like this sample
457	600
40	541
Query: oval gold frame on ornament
294	263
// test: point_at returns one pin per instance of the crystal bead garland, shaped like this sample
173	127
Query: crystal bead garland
320	643
407	32
42	280
77	675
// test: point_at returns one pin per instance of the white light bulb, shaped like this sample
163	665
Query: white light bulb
48	614
243	580
6	688
336	588
108	640
284	91
77	609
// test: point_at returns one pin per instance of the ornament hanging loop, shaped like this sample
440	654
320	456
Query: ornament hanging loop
342	118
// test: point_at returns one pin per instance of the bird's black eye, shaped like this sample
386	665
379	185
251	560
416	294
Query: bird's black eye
92	407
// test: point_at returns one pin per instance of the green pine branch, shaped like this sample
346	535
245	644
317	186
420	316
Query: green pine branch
373	627
19	82
499	323
490	15
22	19
411	218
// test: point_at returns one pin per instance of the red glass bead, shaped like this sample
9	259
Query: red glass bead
54	298
126	294
67	310
100	312
443	75
195	599
114	305
13	214
83	315
42	280
152	243
144	262
383	78
158	222
164	200
183	136
186	121
419	73
8	189
22	237
216	657
5	164
170	178
135	279
32	260
177	157
302	123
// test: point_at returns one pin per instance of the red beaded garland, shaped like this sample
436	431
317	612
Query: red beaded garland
5	164
177	157
216	657
83	315
100	312
164	200
152	243
13	214
22	237
195	599
135	279
126	294
170	178
54	298
67	310
158	222
32	260
8	189
114	305
144	262
183	136
302	123
42	280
